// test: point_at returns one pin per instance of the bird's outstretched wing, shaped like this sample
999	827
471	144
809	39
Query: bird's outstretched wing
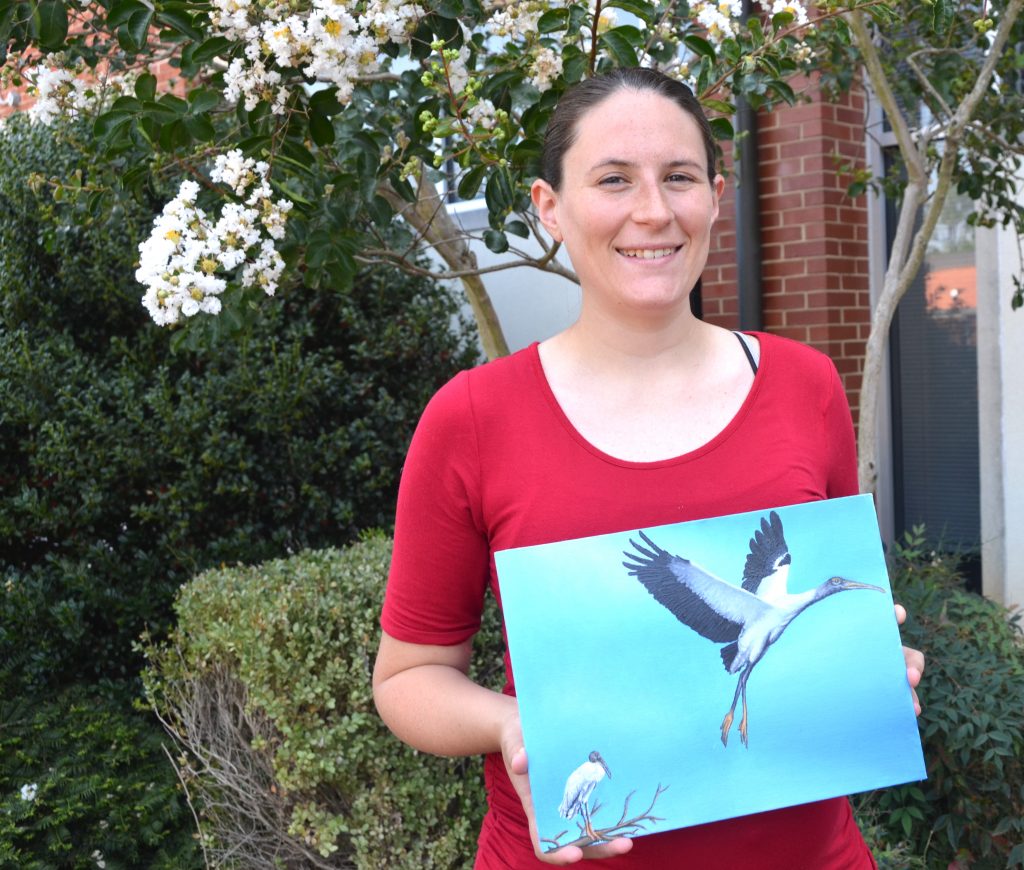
710	606
766	548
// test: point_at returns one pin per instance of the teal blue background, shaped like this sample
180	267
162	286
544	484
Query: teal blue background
599	664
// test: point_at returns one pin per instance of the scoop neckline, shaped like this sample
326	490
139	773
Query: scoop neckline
720	438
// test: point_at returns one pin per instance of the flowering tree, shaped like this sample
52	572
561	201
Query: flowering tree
303	128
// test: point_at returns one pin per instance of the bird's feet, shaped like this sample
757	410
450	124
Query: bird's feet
743	729
726	726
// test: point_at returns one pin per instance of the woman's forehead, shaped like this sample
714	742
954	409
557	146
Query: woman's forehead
630	127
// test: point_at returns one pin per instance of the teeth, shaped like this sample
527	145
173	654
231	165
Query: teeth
647	253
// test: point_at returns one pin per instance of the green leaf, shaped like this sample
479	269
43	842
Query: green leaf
720	106
109	123
469	184
321	130
201	128
518	228
177	18
755	30
325	102
145	86
942	15
574	66
121	11
621	43
498	193
552	20
700	46
50	21
496	241
203	99
297	153
138	26
722	128
159	112
175	104
210	48
126	104
175	135
646	12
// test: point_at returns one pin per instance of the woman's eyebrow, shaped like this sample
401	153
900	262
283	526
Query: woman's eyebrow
618	162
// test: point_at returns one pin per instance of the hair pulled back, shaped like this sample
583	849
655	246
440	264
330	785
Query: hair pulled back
581	98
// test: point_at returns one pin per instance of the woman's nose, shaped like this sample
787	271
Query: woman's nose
651	205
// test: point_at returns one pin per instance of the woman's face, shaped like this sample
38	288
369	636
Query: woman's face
635	207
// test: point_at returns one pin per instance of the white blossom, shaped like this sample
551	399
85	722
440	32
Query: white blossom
517	21
797	10
29	792
482	115
546	67
59	93
187	261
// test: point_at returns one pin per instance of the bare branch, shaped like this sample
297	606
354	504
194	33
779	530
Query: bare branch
624	826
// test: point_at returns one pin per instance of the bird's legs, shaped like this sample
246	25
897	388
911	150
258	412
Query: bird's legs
743	721
587	827
741	690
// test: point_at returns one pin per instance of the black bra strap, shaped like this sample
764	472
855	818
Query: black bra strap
746	350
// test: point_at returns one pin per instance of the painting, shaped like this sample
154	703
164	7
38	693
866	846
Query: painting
681	674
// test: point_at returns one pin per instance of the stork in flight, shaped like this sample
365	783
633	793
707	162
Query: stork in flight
578	788
748	619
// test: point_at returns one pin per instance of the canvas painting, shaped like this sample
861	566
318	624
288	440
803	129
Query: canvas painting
681	674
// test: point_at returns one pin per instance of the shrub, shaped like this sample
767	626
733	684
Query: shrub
84	780
265	683
127	466
971	808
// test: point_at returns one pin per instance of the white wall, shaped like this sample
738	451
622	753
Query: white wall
1001	416
532	305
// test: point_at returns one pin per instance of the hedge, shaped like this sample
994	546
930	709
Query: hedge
265	684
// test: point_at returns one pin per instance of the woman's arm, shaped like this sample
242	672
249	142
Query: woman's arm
425	696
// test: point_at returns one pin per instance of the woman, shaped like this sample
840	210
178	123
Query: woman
637	415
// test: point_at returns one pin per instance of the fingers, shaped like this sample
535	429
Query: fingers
517	763
914	660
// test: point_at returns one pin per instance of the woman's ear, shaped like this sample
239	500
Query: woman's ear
545	201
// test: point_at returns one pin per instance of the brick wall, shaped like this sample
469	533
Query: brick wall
814	238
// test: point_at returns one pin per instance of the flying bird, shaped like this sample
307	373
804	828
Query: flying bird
578	788
749	618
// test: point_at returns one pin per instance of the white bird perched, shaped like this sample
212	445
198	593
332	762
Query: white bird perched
578	788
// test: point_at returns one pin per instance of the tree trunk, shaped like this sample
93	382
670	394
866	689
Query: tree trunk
428	216
910	244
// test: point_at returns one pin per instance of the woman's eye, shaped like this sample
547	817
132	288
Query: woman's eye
680	178
613	180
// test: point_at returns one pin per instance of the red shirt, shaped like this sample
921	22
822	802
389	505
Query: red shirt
496	464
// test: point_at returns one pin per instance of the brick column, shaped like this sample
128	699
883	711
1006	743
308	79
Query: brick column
814	237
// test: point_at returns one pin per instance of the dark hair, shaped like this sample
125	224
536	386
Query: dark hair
581	98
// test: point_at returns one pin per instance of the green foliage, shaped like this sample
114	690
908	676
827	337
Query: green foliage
84	780
972	805
126	467
291	643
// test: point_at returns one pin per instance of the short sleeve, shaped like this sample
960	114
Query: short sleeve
842	447
440	565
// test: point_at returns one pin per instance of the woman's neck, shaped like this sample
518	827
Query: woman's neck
638	345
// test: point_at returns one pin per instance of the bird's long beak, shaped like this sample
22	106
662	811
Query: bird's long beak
853	584
606	770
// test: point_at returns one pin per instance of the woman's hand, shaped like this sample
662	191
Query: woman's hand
914	659
514	753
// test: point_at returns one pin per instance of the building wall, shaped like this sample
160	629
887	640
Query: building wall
814	237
